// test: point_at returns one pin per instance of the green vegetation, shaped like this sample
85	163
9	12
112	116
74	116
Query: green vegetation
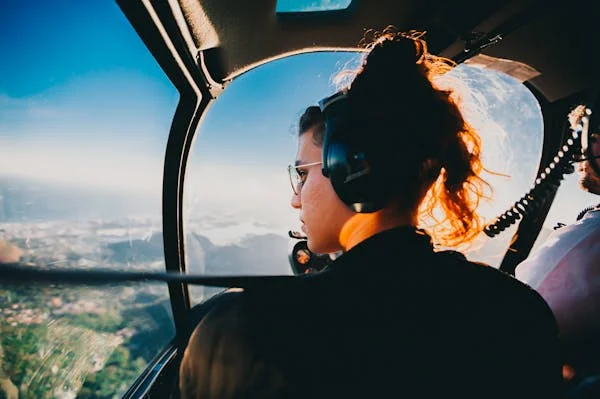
46	361
108	321
154	329
116	376
20	351
57	342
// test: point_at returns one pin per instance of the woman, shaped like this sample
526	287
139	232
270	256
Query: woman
390	317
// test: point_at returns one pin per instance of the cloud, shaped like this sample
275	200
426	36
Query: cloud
236	233
261	194
257	194
87	166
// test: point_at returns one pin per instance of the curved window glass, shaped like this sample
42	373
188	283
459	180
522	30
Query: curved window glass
237	203
84	117
510	123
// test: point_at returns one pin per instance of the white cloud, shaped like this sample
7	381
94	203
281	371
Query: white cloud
256	197
261	193
235	233
82	165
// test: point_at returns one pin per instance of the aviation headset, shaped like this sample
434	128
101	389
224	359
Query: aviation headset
363	181
359	166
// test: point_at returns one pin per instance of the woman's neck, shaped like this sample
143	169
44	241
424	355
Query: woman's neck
364	225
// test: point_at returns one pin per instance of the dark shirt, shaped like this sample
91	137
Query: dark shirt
389	318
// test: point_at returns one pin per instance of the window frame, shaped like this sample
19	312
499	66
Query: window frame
157	26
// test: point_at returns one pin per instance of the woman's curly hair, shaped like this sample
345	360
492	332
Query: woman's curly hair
396	89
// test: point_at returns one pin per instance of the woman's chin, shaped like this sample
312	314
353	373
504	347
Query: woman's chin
313	246
318	248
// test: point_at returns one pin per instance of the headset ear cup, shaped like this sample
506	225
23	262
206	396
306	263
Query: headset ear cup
354	179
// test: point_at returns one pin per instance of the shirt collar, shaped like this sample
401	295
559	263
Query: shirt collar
406	241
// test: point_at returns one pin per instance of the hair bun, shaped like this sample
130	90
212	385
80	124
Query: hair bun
395	53
394	63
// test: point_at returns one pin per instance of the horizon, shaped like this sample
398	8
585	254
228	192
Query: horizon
96	117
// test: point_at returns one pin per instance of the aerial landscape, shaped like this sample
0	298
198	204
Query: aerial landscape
83	342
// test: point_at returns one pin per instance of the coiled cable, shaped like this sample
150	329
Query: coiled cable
545	184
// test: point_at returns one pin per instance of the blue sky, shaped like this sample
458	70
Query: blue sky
75	76
82	101
72	59
47	43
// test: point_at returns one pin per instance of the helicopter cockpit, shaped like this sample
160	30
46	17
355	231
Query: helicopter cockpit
154	137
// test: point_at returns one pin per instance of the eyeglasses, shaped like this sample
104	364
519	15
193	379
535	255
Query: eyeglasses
298	176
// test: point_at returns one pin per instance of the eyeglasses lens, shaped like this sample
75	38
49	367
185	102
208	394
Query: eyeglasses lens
294	179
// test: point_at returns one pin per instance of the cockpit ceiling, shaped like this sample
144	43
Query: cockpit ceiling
558	39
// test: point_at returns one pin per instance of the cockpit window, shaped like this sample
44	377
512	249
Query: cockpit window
84	117
311	5
237	203
510	122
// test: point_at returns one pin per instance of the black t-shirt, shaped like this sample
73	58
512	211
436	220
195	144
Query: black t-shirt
389	318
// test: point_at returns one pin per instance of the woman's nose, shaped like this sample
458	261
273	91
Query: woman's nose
295	202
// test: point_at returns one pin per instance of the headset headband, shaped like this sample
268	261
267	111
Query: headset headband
335	98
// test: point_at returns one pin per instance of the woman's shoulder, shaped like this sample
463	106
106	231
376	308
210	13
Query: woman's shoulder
495	288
